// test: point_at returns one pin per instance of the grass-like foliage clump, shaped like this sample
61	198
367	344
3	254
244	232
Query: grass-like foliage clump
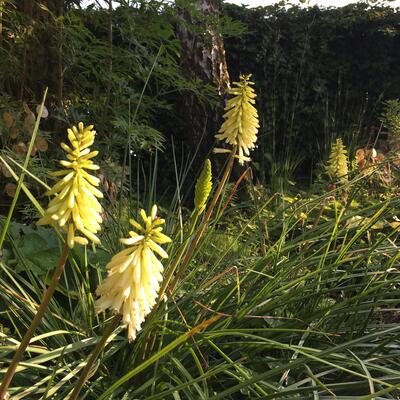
279	296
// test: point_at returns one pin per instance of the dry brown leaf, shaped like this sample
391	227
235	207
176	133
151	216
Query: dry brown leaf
10	189
380	157
20	148
29	122
5	171
42	144
33	151
112	190
14	133
8	119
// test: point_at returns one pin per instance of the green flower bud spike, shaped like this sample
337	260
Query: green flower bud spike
203	187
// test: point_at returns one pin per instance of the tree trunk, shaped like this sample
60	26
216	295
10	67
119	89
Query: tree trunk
1	21
202	57
40	66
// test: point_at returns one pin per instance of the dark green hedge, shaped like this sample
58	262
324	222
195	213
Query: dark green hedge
320	73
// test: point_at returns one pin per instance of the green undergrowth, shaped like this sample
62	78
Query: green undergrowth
285	297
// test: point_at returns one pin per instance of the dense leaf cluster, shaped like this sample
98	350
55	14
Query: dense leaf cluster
119	68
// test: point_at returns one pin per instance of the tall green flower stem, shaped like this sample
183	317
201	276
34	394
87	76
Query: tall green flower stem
202	192
148	346
178	257
93	357
131	286
47	295
202	226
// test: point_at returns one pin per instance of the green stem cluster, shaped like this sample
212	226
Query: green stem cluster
205	220
93	357
47	295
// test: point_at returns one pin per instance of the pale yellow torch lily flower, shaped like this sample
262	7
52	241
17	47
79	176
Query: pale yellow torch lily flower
75	206
135	273
241	119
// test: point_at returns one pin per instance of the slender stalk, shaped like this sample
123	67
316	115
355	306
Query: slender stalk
47	295
178	257
149	342
206	218
22	177
175	263
61	69
128	143
97	350
202	226
233	191
110	61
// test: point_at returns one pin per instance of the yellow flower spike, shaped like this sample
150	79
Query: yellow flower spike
241	119
337	168
75	205
135	273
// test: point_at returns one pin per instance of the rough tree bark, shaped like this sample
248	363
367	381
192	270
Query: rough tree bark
202	57
41	55
1	21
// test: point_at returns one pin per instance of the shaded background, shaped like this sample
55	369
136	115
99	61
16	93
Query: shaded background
143	74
